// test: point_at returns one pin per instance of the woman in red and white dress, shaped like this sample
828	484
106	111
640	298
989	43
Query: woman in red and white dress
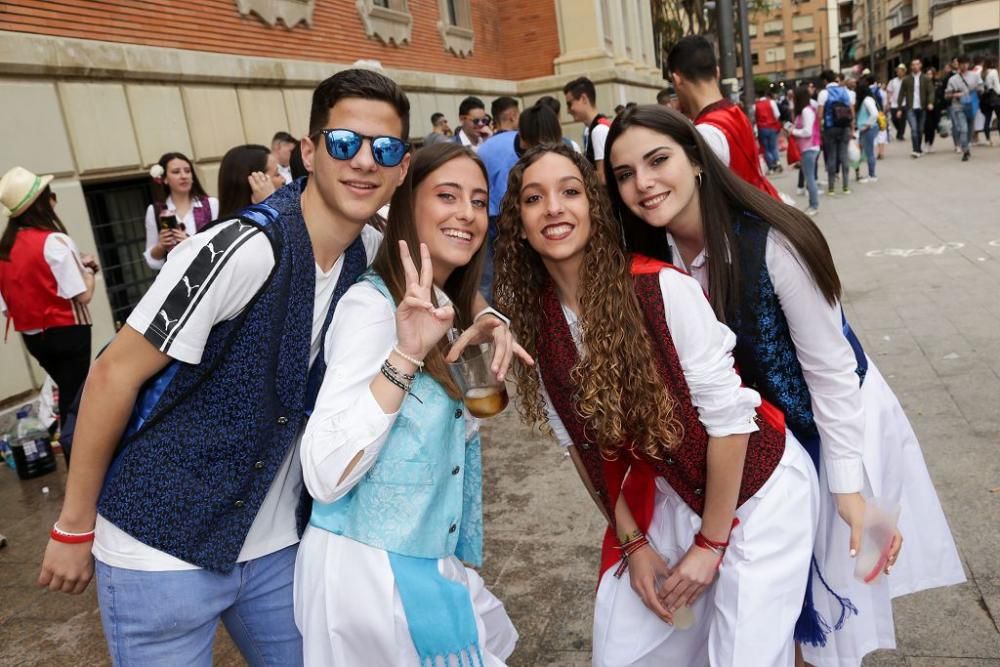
45	283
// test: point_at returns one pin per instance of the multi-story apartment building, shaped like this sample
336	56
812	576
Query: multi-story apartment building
894	31
794	39
94	91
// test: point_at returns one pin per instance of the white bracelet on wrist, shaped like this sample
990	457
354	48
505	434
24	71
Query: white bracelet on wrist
413	360
489	310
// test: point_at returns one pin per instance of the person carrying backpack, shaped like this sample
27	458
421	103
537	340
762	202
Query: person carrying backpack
837	113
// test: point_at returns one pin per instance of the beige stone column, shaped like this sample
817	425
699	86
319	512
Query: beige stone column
583	39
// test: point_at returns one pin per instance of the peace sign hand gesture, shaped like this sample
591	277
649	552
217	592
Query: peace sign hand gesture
419	325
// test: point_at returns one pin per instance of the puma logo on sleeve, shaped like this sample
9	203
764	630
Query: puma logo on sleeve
167	320
187	283
196	281
211	249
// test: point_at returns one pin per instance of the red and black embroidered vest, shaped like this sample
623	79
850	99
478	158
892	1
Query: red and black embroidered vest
684	468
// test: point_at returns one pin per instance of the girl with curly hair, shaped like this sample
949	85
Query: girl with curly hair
703	492
770	277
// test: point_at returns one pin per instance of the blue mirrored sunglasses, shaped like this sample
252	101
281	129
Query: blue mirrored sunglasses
345	144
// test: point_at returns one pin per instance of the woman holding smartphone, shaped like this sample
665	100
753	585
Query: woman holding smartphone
180	207
391	457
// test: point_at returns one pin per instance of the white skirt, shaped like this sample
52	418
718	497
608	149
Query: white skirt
349	612
894	470
747	616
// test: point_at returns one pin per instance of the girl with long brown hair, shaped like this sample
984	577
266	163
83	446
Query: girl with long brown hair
770	277
45	283
390	457
636	378
180	207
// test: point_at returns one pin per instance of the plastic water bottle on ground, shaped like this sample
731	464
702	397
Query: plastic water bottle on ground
32	447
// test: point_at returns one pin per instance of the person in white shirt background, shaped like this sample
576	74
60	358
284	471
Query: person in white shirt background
899	122
990	102
180	207
282	146
474	123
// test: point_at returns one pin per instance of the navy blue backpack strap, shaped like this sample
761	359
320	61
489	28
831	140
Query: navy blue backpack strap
355	262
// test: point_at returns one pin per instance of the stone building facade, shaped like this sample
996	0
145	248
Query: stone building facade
94	91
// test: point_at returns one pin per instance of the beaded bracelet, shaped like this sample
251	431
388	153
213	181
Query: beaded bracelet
401	380
416	362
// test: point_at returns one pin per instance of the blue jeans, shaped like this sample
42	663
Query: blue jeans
769	142
868	137
954	126
915	117
835	140
170	618
808	167
964	120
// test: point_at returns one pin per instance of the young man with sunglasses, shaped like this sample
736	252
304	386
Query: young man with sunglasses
196	515
474	126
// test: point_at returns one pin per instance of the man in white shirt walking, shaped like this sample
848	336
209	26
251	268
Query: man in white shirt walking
893	87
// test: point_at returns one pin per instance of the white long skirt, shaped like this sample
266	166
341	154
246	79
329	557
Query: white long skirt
894	470
746	618
348	609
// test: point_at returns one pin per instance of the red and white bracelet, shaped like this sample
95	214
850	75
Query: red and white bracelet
60	535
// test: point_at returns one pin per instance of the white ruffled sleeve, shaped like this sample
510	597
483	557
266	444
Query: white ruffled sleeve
828	365
347	420
704	346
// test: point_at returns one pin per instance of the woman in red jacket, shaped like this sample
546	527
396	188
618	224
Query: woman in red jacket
45	283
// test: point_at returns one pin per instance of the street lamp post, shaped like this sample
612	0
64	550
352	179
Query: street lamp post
727	47
748	91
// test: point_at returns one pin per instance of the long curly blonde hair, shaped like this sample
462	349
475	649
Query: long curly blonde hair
621	396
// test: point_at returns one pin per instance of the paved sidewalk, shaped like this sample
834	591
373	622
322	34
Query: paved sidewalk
919	255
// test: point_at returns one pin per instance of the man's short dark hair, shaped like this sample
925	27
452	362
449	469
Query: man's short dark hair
502	104
828	76
964	59
580	87
664	95
470	103
693	57
435	117
283	137
360	83
550	102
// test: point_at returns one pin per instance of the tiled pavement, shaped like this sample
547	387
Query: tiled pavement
927	310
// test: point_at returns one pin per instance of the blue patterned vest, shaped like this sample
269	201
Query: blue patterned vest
206	440
423	496
767	361
765	352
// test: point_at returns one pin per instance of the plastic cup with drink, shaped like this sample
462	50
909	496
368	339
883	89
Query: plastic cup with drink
483	394
881	517
684	617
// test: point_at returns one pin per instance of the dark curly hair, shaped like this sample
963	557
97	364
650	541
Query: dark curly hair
621	394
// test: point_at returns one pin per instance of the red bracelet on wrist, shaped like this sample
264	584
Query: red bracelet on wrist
60	535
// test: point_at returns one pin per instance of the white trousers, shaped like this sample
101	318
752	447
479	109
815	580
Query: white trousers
747	617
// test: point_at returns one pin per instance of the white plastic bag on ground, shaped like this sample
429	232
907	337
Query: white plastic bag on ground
48	408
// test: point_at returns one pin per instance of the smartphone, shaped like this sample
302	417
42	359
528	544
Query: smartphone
168	222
